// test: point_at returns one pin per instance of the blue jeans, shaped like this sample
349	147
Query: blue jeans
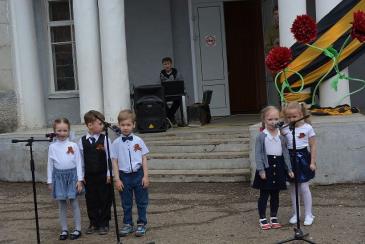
132	183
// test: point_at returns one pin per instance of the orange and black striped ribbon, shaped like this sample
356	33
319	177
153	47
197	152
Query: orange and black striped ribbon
333	29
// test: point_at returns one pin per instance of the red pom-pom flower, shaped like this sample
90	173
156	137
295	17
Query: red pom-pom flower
304	29
358	26
278	58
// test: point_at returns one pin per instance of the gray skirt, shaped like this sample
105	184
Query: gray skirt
64	184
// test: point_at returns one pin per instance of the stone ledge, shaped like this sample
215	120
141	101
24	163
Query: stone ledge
340	146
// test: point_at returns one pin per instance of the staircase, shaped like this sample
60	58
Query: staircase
199	155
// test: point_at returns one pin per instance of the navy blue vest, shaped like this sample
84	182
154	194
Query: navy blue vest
94	156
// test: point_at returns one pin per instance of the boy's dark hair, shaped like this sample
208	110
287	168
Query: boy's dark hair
92	115
60	121
126	114
167	59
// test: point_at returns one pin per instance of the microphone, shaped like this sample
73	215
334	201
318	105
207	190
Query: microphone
279	124
116	129
51	135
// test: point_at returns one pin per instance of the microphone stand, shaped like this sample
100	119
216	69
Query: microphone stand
106	126
30	145
298	233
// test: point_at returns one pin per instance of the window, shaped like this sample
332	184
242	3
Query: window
62	45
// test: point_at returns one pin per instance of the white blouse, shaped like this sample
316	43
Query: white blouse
64	155
302	135
273	144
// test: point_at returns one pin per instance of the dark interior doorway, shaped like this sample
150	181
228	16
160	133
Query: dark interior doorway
245	56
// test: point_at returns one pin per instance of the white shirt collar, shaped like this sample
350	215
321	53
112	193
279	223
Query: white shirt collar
88	135
131	134
270	137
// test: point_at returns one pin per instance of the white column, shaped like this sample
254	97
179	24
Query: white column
88	55
328	97
288	12
114	58
27	76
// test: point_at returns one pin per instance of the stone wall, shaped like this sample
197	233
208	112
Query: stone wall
8	101
8	113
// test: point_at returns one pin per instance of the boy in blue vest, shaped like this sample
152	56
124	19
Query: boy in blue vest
97	177
131	173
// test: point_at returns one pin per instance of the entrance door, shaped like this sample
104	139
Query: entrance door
211	55
245	56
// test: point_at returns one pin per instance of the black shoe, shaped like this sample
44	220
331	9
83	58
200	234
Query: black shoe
91	229
103	230
64	235
75	235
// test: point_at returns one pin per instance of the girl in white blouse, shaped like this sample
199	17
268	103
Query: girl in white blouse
306	160
272	167
64	176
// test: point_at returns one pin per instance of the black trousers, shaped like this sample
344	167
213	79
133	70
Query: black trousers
274	202
98	200
176	103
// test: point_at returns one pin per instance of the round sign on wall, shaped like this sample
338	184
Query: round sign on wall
210	40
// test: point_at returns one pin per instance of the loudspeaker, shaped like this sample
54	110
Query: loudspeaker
149	104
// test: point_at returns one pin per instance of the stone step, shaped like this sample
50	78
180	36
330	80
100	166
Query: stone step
211	175
196	136
188	142
199	163
207	155
188	131
199	148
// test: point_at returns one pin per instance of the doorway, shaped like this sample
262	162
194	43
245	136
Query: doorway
245	56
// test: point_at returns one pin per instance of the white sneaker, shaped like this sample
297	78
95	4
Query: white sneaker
309	220
293	220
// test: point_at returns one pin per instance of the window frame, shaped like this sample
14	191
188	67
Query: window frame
52	86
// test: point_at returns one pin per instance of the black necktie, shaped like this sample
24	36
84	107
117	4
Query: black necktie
92	140
124	138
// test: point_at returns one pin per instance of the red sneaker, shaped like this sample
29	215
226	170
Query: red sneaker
264	224
275	223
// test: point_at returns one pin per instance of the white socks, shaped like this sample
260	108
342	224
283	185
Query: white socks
305	193
63	213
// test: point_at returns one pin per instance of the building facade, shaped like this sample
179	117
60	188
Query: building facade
64	57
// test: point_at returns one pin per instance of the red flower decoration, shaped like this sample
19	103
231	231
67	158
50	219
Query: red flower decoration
304	29
137	147
358	26
100	147
301	135
70	150
278	58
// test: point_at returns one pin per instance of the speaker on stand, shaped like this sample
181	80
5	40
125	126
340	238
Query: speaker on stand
149	106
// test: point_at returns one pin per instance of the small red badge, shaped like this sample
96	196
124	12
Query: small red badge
70	150
301	135
100	147
137	147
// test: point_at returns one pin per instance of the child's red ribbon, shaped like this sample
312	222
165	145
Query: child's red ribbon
70	150
100	147
301	135
137	147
